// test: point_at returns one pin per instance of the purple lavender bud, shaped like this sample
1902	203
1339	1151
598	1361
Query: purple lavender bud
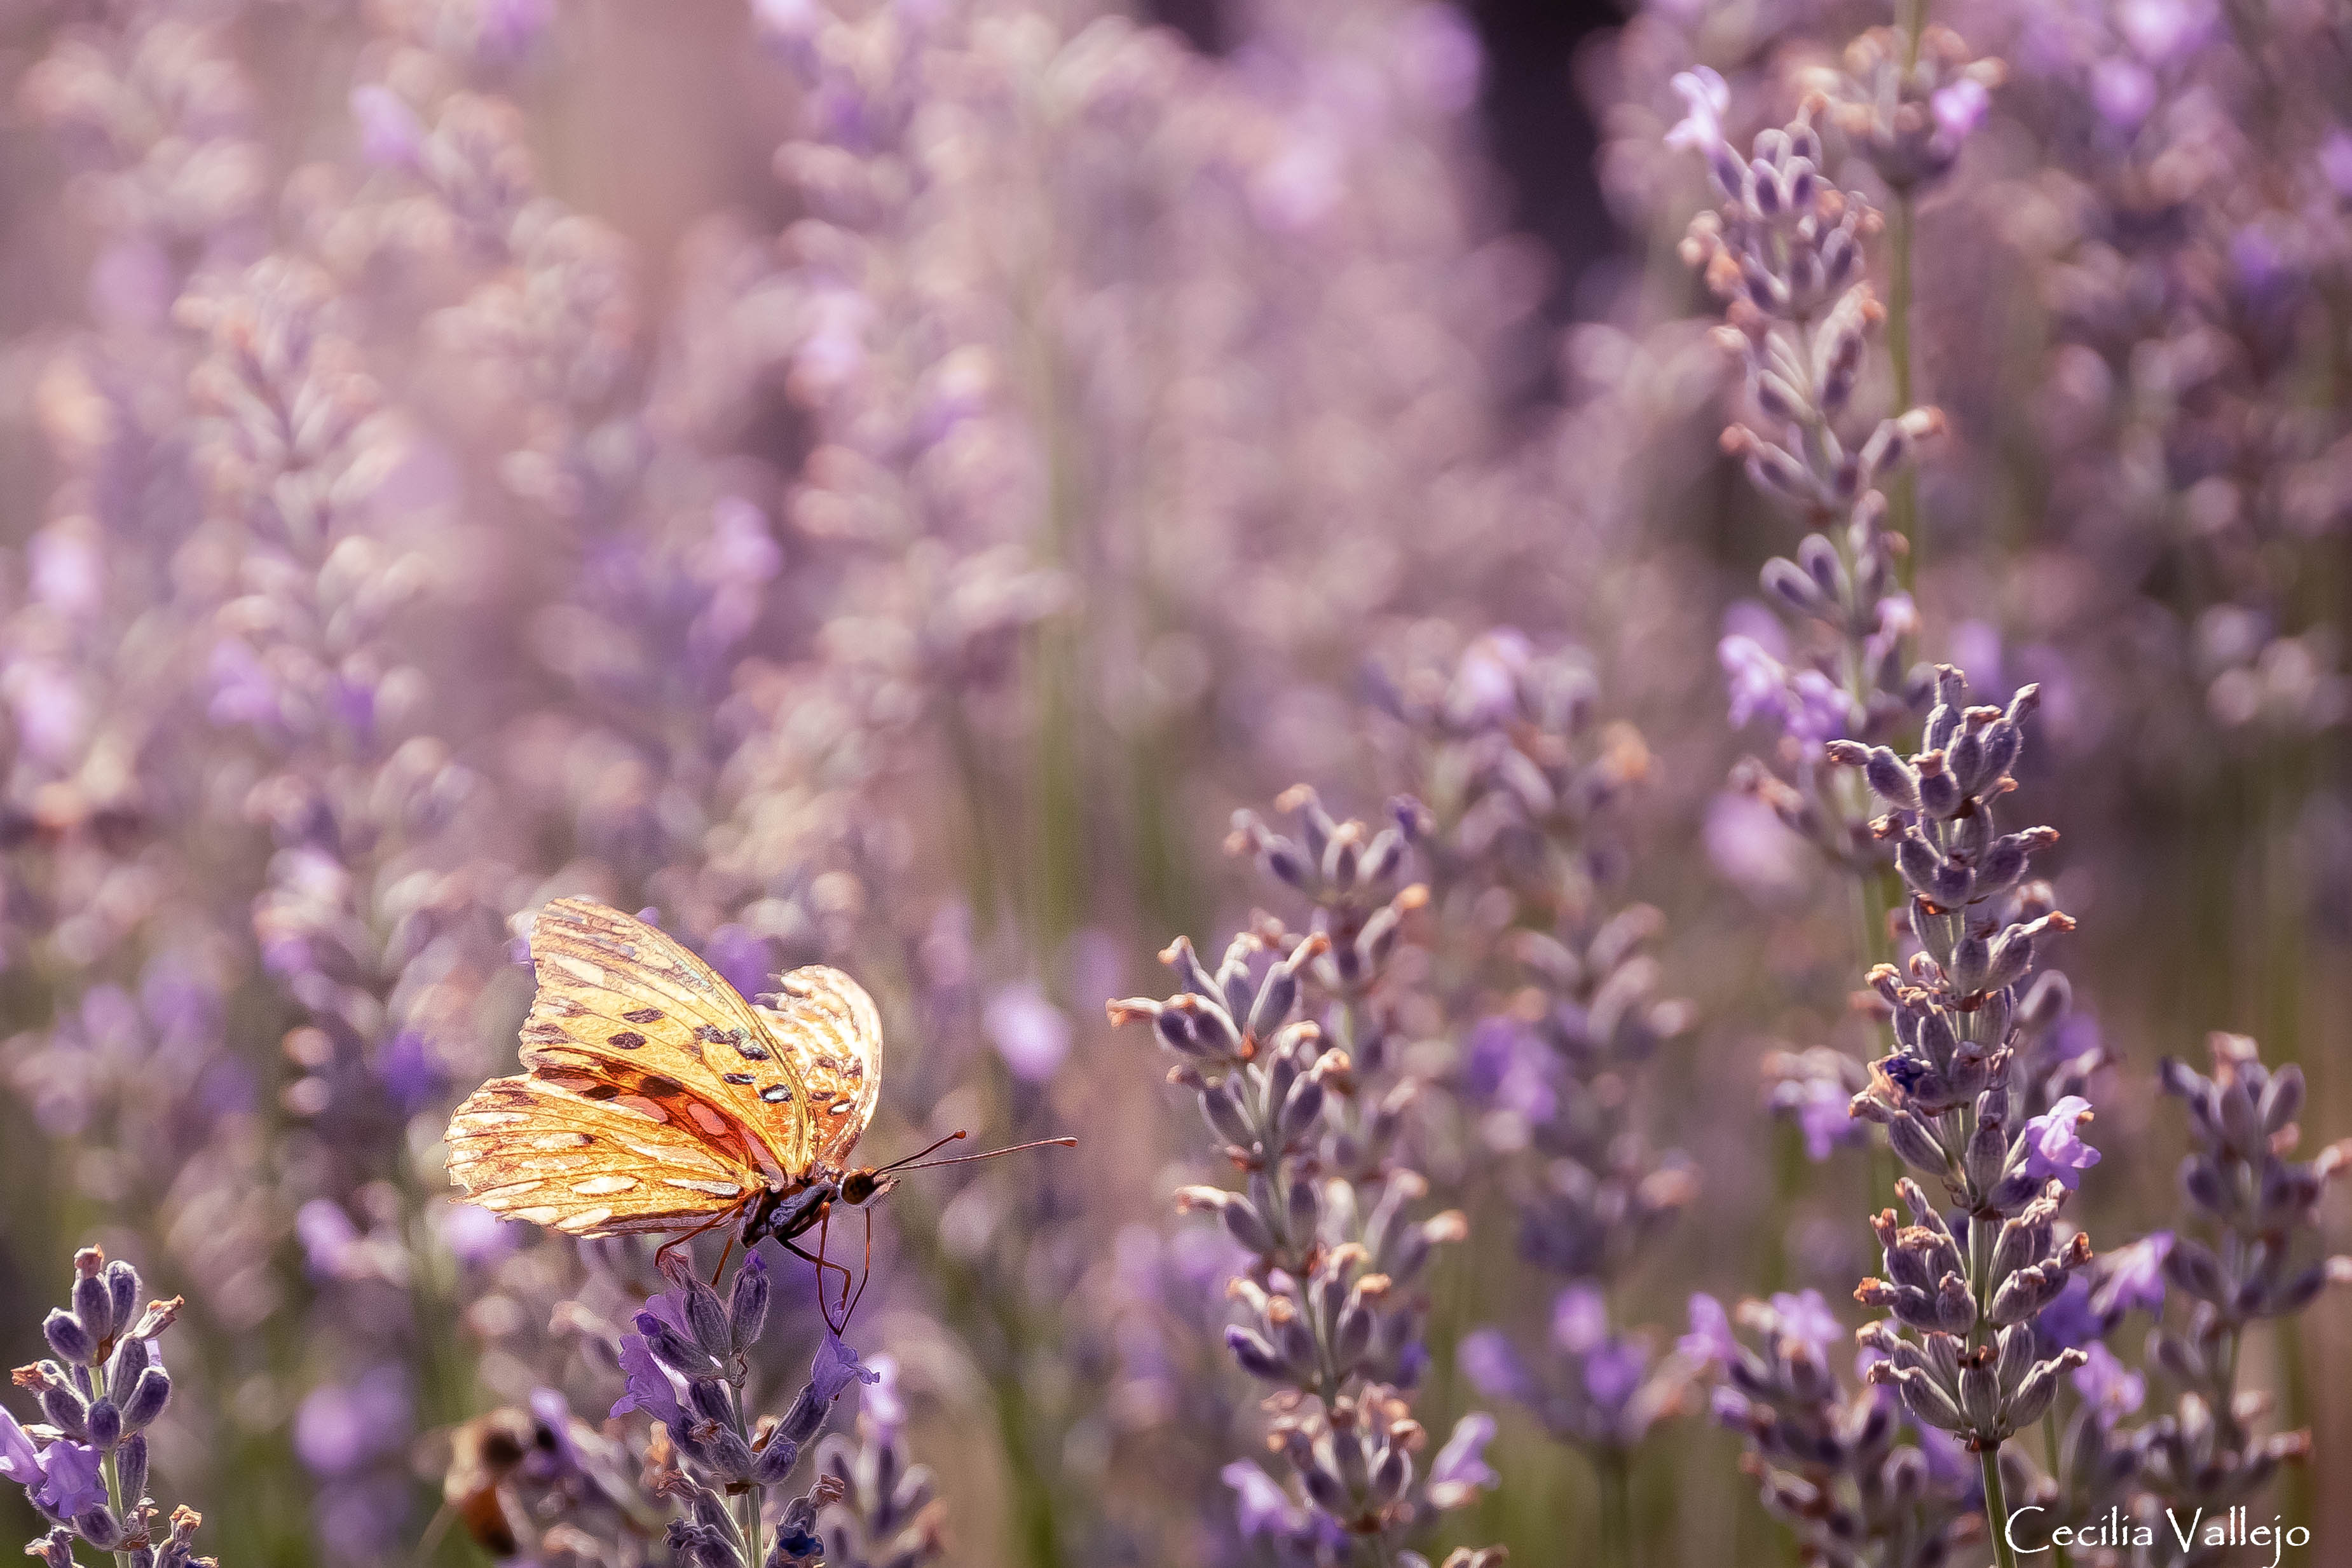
1190	973
105	1424
1246	1226
55	1549
1391	1475
1275	997
776	1461
1303	1205
122	1288
746	1303
1294	1341
101	1527
130	1469
1325	1491
673	1349
1221	1106
2192	1267
1300	1108
94	1304
706	1397
705	1314
1257	1357
69	1340
731	1458
2282	1098
1912	1140
131	1358
67	1410
803	1419
2041	1386
2242	1123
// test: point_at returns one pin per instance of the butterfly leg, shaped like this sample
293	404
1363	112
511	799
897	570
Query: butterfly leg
722	1261
722	1217
823	1263
868	1273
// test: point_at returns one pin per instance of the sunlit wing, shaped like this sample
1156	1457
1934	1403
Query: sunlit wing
621	1002
572	1152
829	1028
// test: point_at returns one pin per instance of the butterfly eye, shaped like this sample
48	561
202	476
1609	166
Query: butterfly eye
856	1188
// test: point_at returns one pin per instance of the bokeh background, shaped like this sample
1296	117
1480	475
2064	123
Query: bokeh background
885	482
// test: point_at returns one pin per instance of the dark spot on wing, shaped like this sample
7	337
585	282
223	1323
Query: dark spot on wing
751	1053
628	1039
601	1091
645	1015
744	1077
776	1094
656	1087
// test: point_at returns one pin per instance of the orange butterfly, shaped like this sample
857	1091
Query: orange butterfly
658	1099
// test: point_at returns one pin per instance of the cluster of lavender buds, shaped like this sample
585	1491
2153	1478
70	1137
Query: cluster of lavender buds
1825	1451
1548	976
84	1465
1955	1093
1907	99
1785	249
2257	1205
687	1365
886	1515
1334	1315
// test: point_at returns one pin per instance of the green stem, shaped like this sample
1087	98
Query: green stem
1616	1510
751	1498
1997	1510
121	1504
1903	503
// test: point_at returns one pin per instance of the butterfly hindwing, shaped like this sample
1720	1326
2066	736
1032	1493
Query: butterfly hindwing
621	1001
831	1031
544	1147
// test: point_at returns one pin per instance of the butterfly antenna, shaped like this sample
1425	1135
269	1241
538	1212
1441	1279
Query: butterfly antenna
910	1159
967	1159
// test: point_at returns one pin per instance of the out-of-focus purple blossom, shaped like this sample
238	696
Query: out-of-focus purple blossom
2071	1322
390	135
882	1402
2053	1143
340	1427
19	1460
1029	1033
1462	1462
2112	1389
1706	97
2124	91
1960	108
1493	1366
1579	1318
1612	1371
1260	1506
2163	31
2335	161
2134	1276
1805	1318
475	1235
1710	1342
327	1235
1750	847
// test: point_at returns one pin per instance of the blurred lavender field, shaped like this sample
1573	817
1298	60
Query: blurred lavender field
1526	672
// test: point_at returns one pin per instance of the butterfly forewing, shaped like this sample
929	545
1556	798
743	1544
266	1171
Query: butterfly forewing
623	1004
828	1026
657	1097
537	1147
